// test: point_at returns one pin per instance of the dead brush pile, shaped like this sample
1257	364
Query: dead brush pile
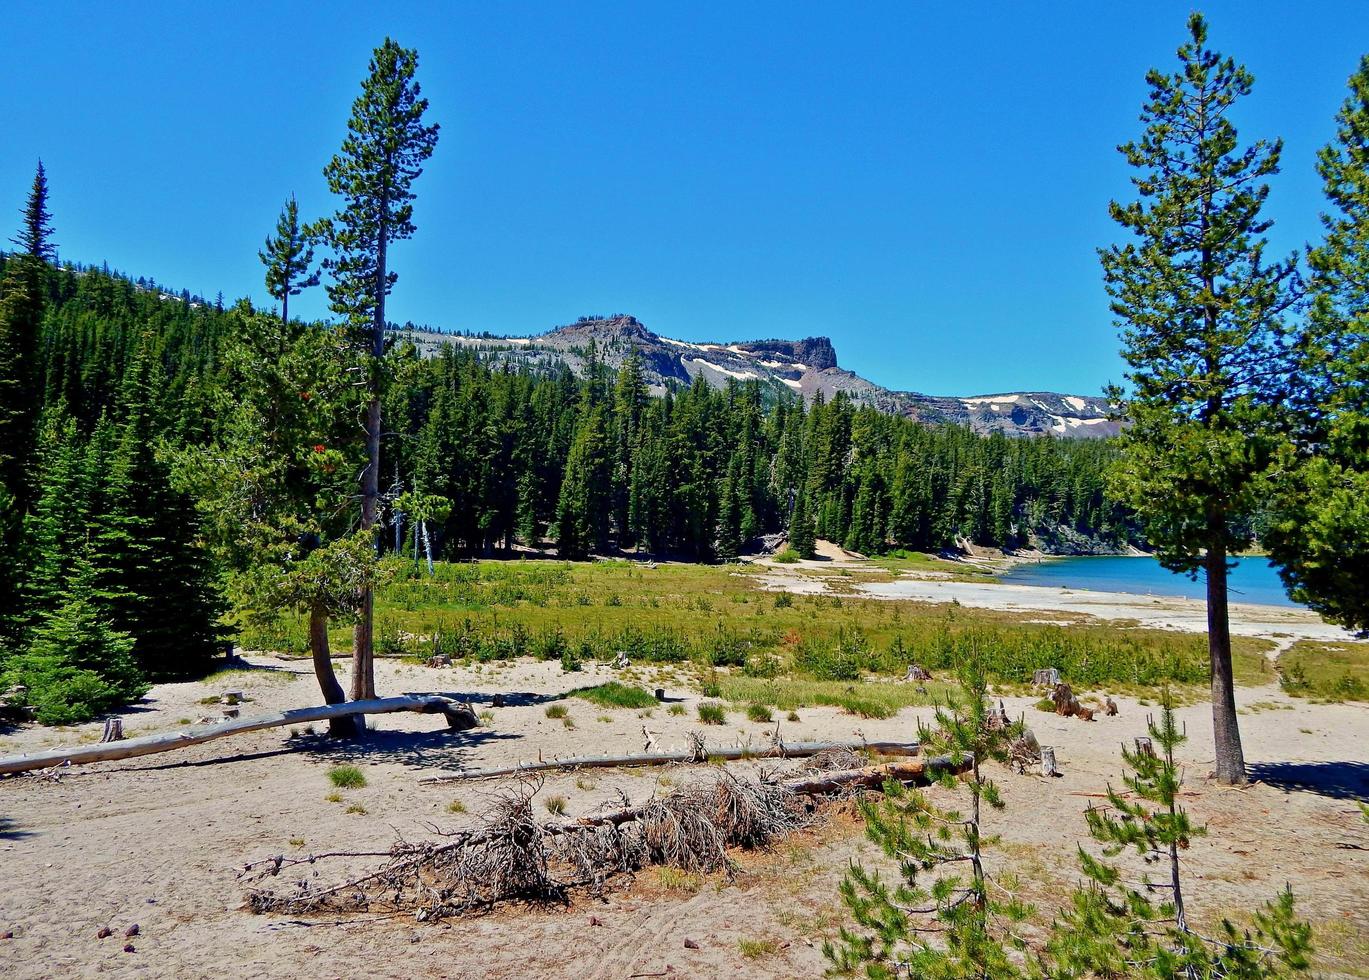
513	857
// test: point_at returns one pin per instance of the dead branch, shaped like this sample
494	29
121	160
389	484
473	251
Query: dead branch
513	857
459	717
695	753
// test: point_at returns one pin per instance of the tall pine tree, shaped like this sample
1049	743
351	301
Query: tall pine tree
1200	311
386	146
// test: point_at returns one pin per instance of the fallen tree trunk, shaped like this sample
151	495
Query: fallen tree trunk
784	750
459	717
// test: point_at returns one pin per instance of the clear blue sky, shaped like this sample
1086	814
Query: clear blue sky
926	183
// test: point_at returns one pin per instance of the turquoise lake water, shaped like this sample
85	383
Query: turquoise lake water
1252	580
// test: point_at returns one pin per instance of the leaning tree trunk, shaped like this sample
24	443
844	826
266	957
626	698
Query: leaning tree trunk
332	691
1226	730
363	637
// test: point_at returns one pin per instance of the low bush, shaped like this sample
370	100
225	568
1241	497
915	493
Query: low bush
616	695
712	713
346	777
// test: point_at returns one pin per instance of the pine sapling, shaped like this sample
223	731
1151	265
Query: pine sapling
1119	927
973	914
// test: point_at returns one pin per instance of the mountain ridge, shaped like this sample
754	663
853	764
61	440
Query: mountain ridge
807	367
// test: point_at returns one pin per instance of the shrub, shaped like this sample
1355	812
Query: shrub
556	805
557	711
712	713
570	661
347	777
783	600
675	709
759	712
787	557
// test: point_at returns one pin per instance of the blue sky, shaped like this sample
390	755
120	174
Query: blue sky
926	183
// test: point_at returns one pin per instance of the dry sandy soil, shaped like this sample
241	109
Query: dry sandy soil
157	841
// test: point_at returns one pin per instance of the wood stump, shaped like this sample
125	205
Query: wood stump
440	660
1046	677
1048	764
114	730
231	697
917	672
1144	746
660	694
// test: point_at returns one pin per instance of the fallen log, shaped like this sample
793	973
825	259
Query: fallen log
873	777
784	750
459	717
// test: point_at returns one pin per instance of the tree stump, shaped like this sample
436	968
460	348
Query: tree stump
1110	706
997	718
1144	746
440	660
660	694
460	717
231	697
1048	765
497	701
114	730
917	672
621	661
1046	677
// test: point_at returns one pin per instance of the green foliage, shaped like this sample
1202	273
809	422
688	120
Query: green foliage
759	712
616	695
1318	529
975	912
288	258
346	777
786	557
1114	927
76	666
555	711
712	713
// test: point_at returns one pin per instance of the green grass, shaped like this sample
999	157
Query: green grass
754	949
456	806
346	777
556	805
555	711
868	699
712	713
759	712
1331	671
616	695
787	557
489	611
675	709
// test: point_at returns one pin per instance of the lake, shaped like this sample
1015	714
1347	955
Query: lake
1253	580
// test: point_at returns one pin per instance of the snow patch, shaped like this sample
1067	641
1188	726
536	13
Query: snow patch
740	375
1076	403
683	343
793	384
1005	399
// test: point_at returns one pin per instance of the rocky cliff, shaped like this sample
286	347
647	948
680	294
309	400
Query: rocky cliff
806	367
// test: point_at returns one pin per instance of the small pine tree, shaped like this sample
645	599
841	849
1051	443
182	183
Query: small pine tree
76	665
288	258
976	924
1112	929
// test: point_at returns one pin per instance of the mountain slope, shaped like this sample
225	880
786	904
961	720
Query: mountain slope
806	367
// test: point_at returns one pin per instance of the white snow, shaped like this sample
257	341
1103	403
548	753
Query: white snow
1005	399
1075	402
793	384
683	343
741	375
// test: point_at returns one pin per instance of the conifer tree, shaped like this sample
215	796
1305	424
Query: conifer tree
801	535
22	290
1200	311
1113	928
76	665
1319	527
582	509
386	146
976	924
289	258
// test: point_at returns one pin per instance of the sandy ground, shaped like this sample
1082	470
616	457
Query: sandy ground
156	841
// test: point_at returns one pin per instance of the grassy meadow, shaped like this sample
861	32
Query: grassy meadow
748	645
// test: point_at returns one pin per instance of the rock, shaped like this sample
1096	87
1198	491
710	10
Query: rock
128	948
104	932
594	920
131	931
691	944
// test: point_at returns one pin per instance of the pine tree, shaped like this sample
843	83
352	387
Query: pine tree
1201	315
76	665
22	291
386	146
289	258
1319	527
801	535
582	508
977	925
1114	929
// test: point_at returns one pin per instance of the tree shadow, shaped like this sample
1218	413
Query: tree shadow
436	750
9	830
1337	780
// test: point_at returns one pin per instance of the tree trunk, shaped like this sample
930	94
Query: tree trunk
459	718
328	684
1226	730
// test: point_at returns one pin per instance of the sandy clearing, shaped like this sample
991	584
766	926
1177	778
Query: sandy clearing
155	840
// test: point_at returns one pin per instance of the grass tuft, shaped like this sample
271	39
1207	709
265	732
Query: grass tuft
712	713
616	695
347	777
